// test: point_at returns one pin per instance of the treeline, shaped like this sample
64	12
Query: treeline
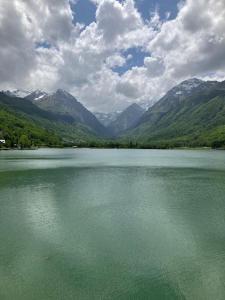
147	145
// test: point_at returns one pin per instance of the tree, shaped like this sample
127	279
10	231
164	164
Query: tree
24	141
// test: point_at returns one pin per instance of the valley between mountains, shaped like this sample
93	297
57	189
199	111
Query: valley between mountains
192	114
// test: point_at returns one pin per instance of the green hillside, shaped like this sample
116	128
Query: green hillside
19	130
21	118
194	121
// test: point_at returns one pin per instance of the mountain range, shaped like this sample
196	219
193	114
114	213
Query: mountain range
191	114
63	103
28	118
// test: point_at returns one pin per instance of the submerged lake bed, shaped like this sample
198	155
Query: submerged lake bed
112	224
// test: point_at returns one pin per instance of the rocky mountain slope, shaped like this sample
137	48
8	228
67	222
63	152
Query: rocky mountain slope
126	120
63	103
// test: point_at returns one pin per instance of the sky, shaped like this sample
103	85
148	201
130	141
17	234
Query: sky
110	53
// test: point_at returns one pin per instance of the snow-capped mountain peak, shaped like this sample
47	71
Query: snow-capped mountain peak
189	84
36	95
17	93
186	87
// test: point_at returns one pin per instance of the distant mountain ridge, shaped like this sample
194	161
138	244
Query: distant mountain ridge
17	93
188	87
126	119
107	118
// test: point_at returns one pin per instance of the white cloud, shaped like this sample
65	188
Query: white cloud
155	66
194	43
115	19
128	89
129	56
80	59
116	60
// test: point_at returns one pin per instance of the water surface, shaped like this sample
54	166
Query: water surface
112	224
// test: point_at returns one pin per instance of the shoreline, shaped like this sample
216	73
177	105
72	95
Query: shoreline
116	148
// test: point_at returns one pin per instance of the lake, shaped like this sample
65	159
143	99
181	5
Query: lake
112	224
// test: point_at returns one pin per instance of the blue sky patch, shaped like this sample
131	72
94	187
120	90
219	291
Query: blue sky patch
146	7
137	56
43	44
84	11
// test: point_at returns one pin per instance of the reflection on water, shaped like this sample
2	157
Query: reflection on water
112	224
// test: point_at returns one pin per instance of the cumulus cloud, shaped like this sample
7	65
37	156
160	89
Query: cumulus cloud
128	89
15	62
155	66
42	46
23	25
116	60
115	19
194	43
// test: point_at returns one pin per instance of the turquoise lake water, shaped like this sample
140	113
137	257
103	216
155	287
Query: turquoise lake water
112	224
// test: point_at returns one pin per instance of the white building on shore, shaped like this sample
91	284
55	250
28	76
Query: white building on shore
2	141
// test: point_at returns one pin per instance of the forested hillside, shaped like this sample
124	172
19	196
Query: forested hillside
192	120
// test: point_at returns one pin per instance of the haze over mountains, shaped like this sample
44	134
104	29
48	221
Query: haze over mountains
190	114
